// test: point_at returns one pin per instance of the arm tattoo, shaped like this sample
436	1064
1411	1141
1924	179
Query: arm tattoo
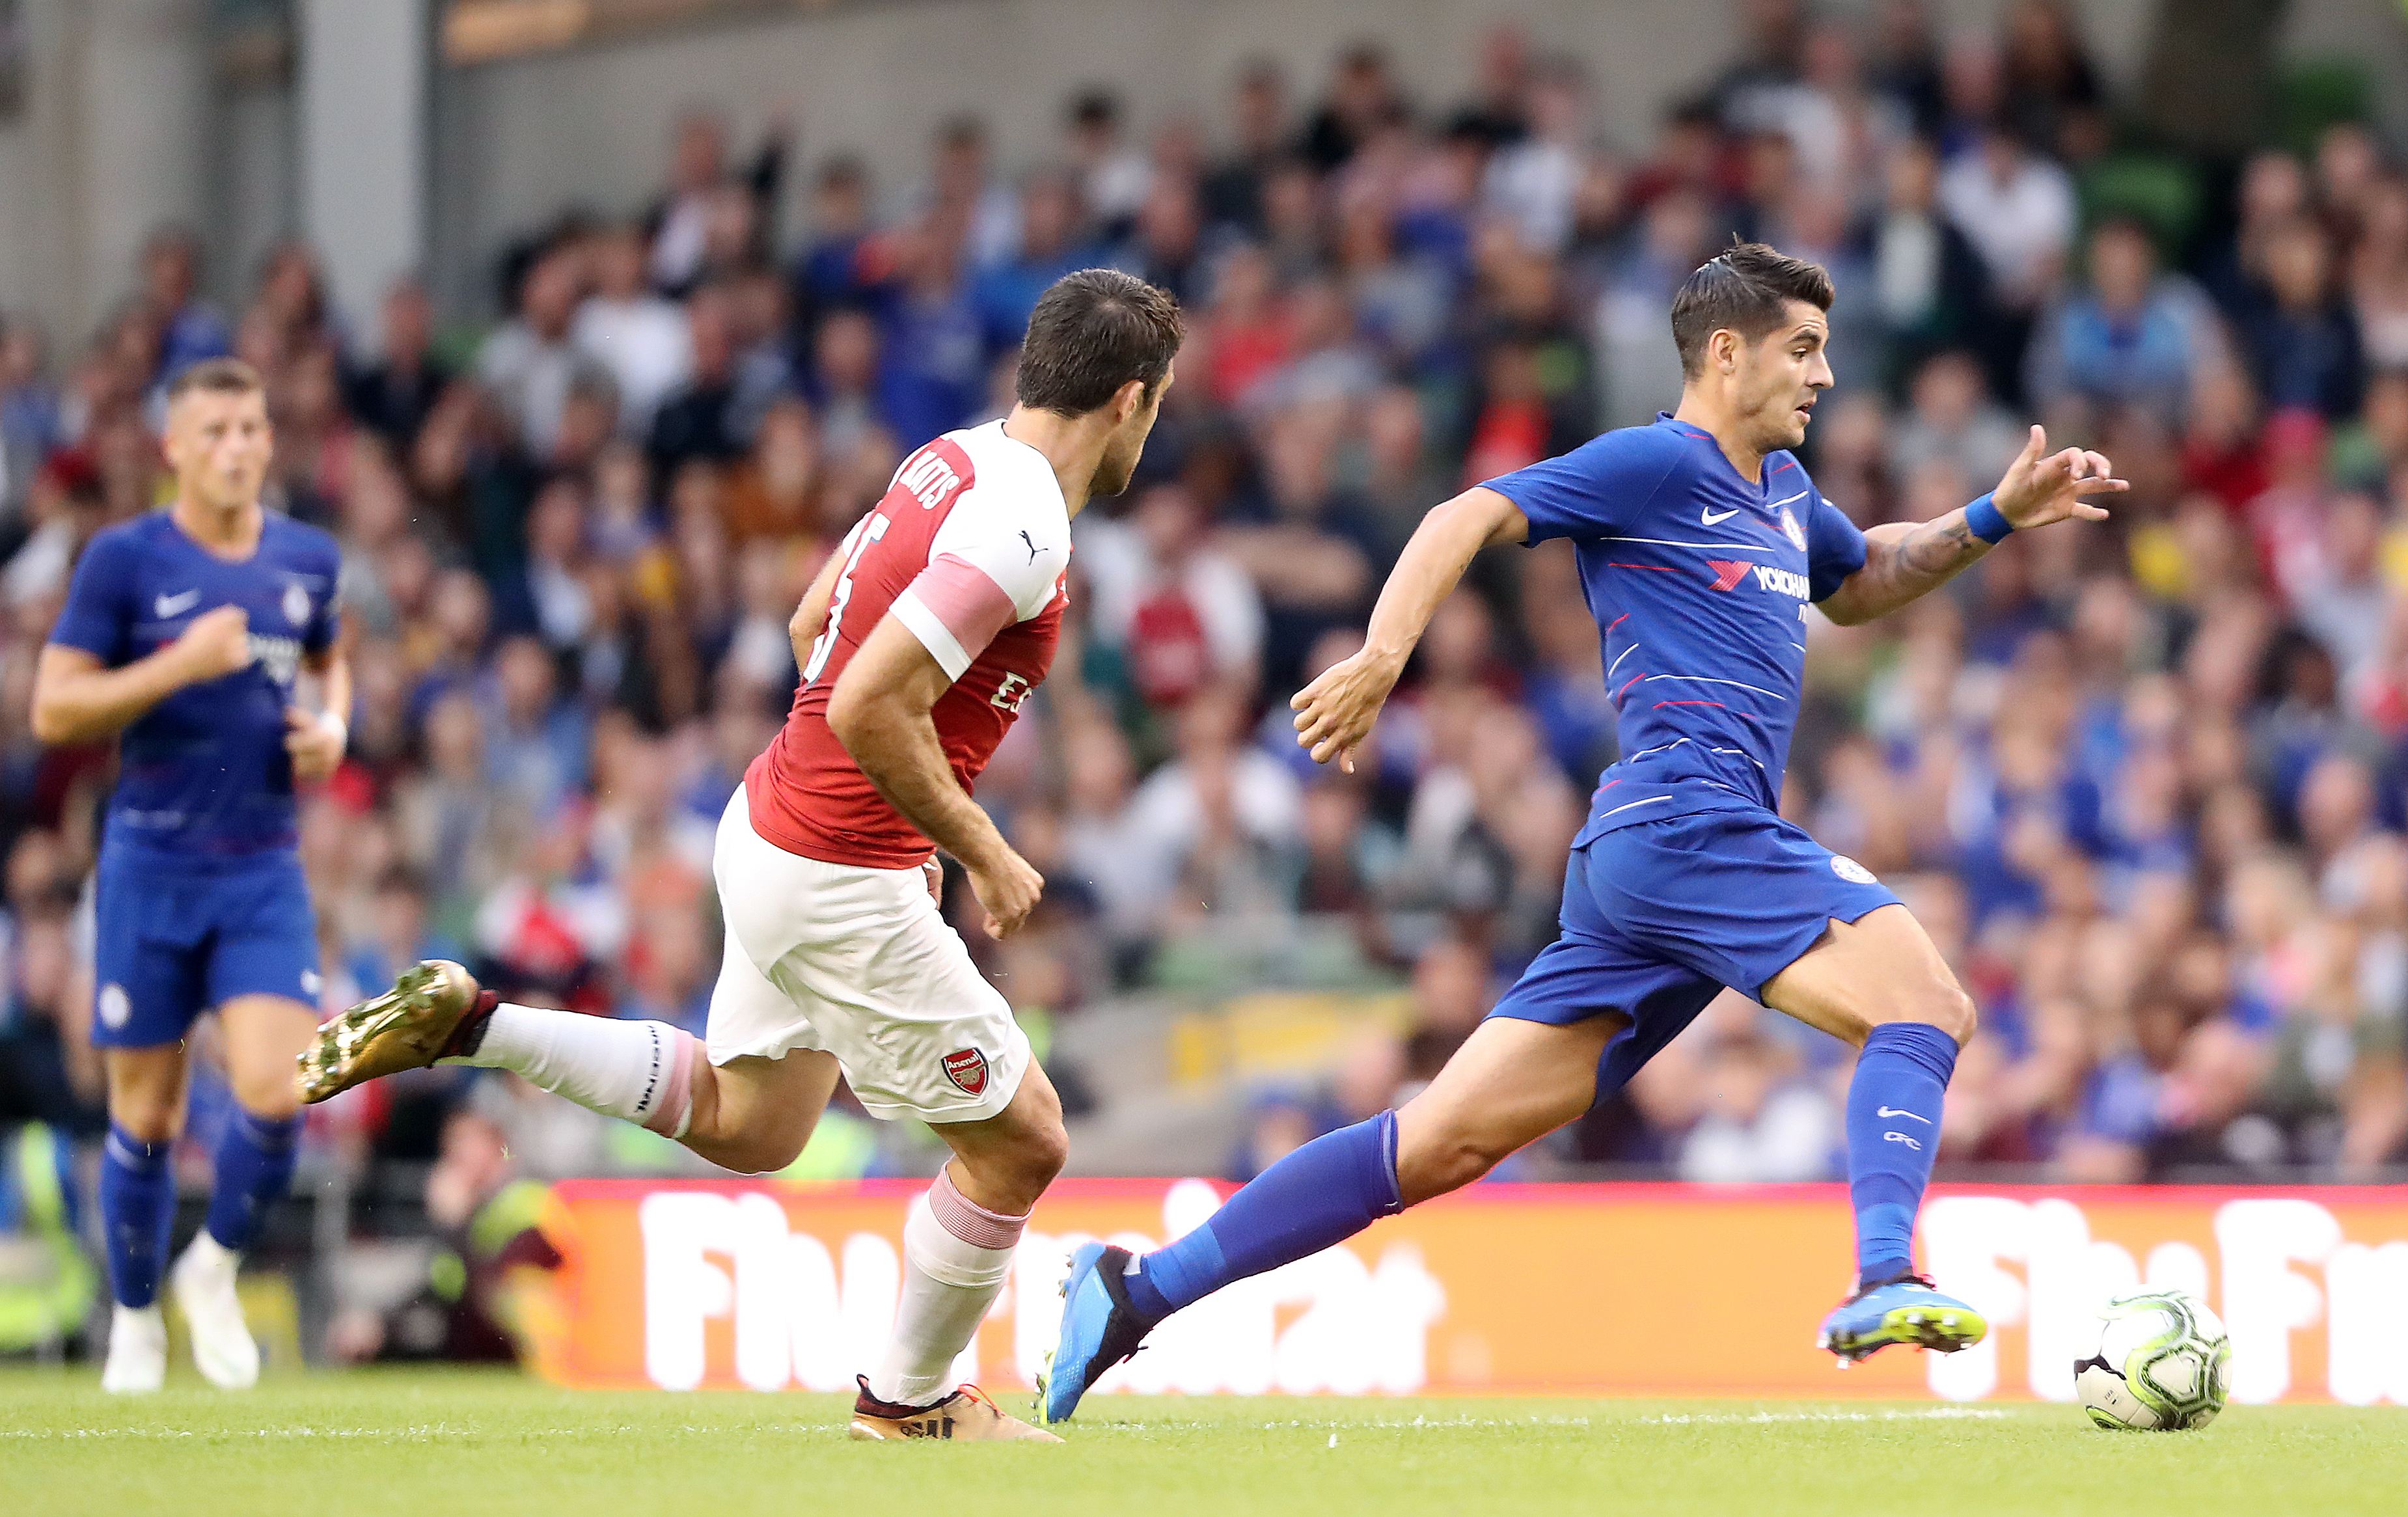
1940	547
1902	565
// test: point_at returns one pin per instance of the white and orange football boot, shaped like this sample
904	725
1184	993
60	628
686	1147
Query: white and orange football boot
968	1413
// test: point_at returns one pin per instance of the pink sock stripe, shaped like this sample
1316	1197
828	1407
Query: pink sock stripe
968	1221
669	1114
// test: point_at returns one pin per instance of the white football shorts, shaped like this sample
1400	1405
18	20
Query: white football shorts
859	962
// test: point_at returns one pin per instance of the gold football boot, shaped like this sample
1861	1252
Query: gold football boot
434	1011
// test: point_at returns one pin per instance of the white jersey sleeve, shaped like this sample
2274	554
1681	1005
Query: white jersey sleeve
997	559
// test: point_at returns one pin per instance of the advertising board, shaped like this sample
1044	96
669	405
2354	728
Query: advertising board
1556	1289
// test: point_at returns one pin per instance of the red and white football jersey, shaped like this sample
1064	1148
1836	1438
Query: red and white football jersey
968	549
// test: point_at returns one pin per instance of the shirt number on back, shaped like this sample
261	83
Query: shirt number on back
825	644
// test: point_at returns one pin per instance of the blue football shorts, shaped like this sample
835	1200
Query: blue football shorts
175	936
1658	917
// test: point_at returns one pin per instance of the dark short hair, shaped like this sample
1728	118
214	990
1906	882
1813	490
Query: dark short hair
1093	331
219	376
1746	289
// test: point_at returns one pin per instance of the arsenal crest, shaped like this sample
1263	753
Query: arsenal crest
966	1068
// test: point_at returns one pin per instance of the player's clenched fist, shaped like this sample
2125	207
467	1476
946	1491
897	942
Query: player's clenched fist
1334	713
315	739
216	643
1008	887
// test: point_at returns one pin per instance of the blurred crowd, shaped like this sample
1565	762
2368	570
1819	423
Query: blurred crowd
2145	782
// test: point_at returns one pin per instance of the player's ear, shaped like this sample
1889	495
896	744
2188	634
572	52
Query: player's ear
1127	401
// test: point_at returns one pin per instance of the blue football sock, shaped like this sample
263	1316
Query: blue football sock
1324	1193
137	1206
255	1163
1892	1134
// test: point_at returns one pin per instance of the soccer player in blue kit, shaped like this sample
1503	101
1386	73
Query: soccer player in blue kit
183	635
1701	542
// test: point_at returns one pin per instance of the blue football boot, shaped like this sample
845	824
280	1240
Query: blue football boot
1905	1308
1099	1329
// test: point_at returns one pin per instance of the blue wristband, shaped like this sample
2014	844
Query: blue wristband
1988	522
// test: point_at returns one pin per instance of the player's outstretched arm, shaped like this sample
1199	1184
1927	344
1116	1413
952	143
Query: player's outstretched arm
1906	560
77	699
879	710
1334	713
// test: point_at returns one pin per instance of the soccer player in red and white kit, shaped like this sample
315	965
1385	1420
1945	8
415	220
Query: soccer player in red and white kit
919	643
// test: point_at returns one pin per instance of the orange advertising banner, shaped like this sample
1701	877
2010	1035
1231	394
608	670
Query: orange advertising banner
1562	1289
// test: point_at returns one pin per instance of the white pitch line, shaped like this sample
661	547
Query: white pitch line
1928	1414
412	1433
1424	1422
446	1430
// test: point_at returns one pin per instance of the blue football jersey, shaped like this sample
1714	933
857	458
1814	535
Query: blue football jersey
204	771
1698	581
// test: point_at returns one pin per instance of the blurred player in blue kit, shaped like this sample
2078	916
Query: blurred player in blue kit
184	635
1701	543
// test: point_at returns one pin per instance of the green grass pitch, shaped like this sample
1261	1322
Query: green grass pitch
457	1444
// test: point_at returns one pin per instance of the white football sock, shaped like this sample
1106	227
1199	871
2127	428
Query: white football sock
638	1071
956	1255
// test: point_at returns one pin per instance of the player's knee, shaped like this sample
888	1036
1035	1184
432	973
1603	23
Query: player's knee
749	1149
145	1116
1031	1162
769	1161
759	1156
1048	1150
1447	1161
1955	1014
1009	1176
272	1097
1946	1007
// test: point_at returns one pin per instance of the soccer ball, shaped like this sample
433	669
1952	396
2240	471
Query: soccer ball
2162	1365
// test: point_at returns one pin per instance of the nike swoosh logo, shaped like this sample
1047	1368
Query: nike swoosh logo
167	605
1717	518
1893	1111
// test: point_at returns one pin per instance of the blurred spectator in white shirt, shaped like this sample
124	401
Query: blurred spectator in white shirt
2017	209
529	362
1761	1125
1531	183
1926	276
2345	600
639	337
1113	172
1216	826
694	215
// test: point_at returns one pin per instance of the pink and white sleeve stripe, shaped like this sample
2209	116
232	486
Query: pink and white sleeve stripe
954	609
